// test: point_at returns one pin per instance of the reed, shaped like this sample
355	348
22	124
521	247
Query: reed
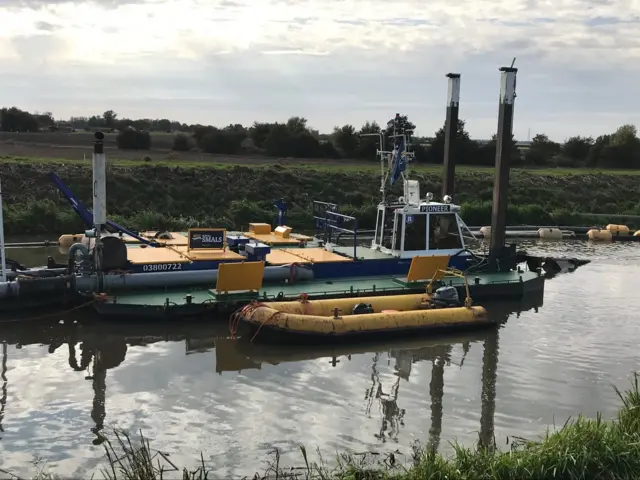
582	448
154	196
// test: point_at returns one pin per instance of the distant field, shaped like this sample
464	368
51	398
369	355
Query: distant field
305	164
160	140
57	147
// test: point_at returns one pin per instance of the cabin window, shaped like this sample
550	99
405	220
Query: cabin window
380	227
397	233
443	232
415	233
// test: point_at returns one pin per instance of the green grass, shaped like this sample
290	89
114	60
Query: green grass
312	164
176	195
589	449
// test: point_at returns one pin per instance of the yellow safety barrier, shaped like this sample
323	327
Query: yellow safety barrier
425	268
240	276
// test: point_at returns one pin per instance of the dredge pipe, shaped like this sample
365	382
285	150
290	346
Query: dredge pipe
135	281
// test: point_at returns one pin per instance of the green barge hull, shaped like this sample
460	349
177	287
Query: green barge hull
195	302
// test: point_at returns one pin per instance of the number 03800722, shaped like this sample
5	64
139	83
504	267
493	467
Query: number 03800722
162	267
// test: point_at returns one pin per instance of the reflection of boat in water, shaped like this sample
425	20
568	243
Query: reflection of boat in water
97	348
102	347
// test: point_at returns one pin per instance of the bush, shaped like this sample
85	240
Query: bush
133	140
181	143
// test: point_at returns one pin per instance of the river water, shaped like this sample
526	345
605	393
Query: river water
190	389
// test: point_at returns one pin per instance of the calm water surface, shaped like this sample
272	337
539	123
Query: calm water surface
190	389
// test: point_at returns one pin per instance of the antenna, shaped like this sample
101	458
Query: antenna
379	152
513	62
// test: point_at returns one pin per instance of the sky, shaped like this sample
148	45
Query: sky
332	61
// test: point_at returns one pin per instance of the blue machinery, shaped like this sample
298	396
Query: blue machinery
328	221
87	216
281	205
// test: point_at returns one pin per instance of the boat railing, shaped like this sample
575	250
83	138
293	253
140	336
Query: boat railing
466	232
337	223
320	217
330	224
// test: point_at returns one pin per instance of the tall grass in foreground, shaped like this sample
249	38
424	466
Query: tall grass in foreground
582	449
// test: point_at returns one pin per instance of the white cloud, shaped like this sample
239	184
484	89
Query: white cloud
332	61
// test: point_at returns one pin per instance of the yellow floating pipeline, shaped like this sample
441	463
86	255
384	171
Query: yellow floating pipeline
599	235
618	229
390	313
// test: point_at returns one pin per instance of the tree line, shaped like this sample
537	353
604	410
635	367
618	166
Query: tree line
295	138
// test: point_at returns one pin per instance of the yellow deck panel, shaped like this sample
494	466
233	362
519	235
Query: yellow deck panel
209	254
302	238
304	255
271	239
317	255
152	255
178	254
282	257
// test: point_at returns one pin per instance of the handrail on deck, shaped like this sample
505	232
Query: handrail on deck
329	220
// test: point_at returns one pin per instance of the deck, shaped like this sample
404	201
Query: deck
489	286
362	252
177	254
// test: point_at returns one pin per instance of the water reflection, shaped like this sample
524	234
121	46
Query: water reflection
102	347
3	377
96	348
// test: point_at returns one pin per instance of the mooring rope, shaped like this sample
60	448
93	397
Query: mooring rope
244	311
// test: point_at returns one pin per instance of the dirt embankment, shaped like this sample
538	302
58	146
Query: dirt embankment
172	197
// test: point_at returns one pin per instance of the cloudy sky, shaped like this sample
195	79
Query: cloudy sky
332	61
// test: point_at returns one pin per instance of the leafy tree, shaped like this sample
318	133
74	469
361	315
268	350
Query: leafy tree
626	134
163	124
619	150
45	120
181	143
297	125
487	153
542	151
214	140
402	125
294	139
133	140
15	120
368	146
346	139
109	118
576	149
259	133
464	150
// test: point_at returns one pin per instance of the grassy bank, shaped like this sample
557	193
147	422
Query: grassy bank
148	195
582	449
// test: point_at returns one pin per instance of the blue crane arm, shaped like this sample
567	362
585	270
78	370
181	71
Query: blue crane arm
83	212
87	215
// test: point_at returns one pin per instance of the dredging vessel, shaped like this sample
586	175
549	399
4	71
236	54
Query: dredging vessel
415	240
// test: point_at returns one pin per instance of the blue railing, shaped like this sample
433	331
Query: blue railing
328	221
